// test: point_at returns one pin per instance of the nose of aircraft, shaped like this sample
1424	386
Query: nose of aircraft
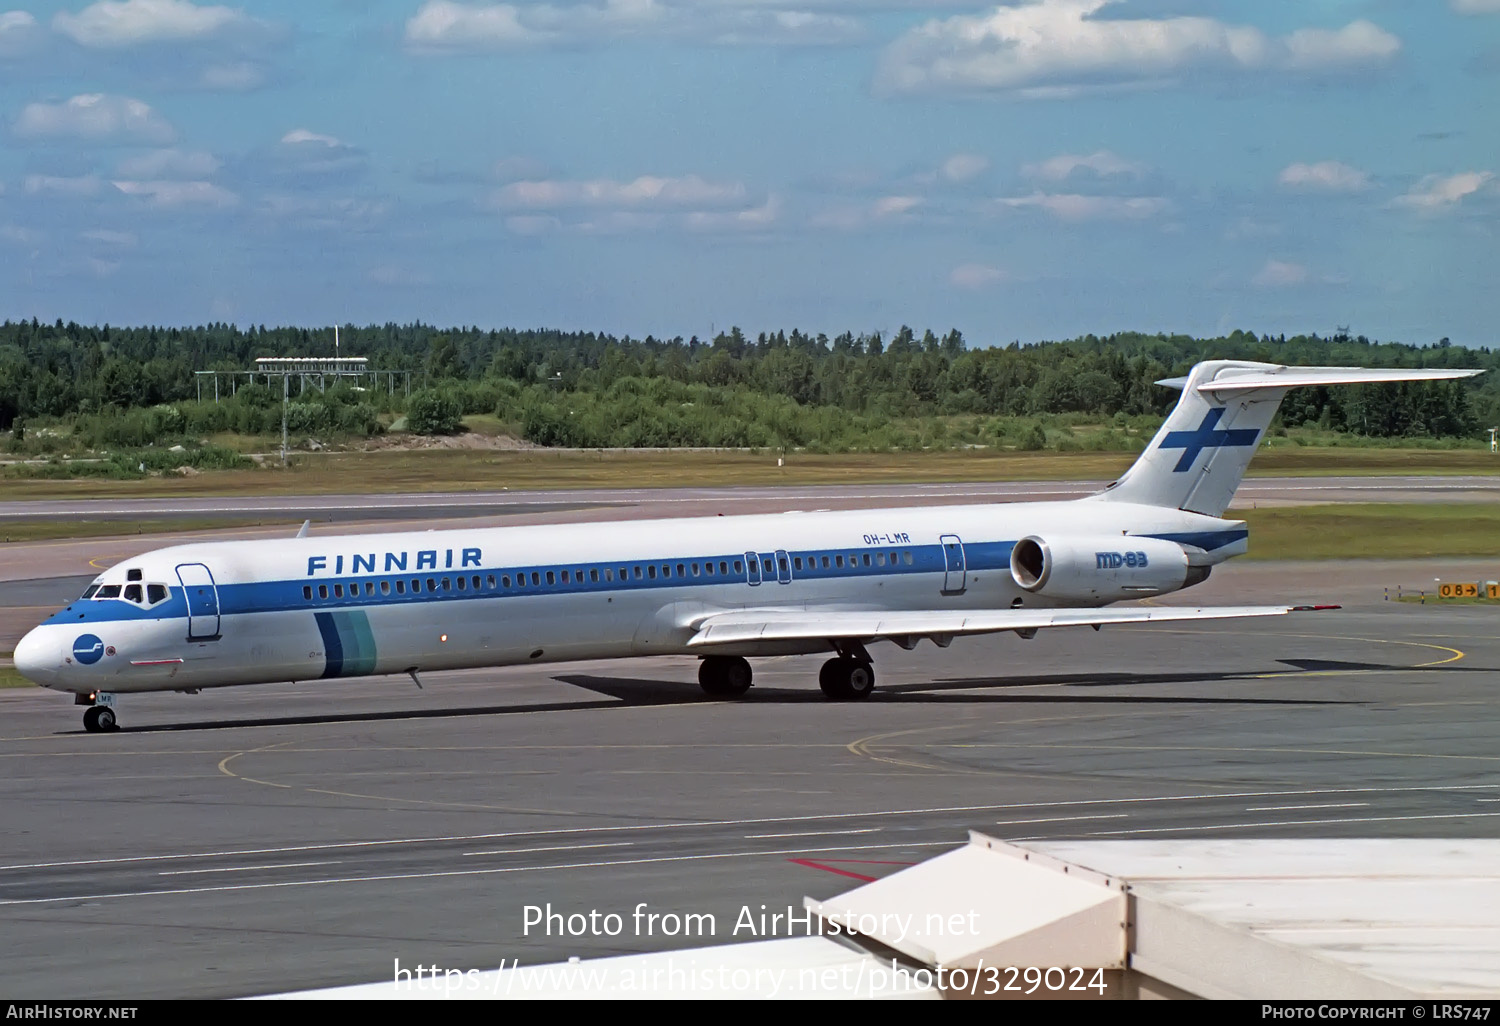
37	658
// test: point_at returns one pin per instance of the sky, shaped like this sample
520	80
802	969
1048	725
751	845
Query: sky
1021	171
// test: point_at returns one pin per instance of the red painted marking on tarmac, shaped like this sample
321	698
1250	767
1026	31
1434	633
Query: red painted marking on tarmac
810	864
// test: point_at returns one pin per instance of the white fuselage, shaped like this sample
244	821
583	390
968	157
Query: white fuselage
298	609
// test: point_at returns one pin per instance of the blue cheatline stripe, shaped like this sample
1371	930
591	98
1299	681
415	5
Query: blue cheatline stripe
282	596
333	645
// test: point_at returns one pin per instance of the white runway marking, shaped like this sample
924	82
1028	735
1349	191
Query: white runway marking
558	831
1294	808
813	833
245	869
473	872
556	847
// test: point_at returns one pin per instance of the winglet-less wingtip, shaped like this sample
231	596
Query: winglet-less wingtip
302	531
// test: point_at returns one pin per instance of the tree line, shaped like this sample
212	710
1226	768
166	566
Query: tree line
117	386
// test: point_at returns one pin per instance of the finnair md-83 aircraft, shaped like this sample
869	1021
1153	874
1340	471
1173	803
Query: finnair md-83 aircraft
726	589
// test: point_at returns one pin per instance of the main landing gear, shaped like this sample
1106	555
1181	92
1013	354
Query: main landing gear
847	677
724	676
99	717
850	676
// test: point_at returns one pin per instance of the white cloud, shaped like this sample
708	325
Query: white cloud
19	34
115	24
748	220
1102	163
1436	191
1476	6
646	191
443	26
1051	48
1326	176
851	217
1279	274
978	276
54	185
961	167
304	153
172	164
94	117
180	195
1075	207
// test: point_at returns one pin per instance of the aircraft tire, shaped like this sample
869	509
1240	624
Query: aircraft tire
91	719
106	719
844	679
725	676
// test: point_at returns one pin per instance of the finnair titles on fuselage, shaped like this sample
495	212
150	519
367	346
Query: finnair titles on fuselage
727	589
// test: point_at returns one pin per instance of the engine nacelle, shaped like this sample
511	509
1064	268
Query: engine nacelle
1099	568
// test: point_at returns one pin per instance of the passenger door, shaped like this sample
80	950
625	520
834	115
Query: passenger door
202	596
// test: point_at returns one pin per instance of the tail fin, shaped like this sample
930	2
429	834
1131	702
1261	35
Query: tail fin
1199	456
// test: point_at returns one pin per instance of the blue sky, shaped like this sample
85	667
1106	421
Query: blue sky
1019	171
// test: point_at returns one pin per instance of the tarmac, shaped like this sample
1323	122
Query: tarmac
286	837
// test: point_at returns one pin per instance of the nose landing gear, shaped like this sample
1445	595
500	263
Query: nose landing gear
99	717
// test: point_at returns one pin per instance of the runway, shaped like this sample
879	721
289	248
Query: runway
275	838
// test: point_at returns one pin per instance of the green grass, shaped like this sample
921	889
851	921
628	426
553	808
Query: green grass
9	678
473	470
1373	530
30	529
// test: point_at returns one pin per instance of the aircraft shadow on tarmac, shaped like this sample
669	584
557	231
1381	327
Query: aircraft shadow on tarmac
638	691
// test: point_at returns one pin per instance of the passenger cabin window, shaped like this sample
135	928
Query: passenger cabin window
825	562
385	587
400	587
906	557
551	578
797	562
338	591
490	580
838	560
651	572
505	580
609	573
463	585
307	591
322	591
708	568
536	579
564	577
594	576
739	567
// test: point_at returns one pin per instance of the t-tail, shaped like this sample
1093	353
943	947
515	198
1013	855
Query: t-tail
1198	458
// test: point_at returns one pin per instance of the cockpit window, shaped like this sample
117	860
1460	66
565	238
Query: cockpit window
89	592
133	593
156	593
108	591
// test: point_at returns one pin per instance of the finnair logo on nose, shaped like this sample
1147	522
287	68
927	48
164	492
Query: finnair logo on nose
88	649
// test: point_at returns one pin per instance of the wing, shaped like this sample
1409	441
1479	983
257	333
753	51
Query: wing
908	626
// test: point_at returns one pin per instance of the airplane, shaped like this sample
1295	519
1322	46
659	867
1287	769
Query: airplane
727	589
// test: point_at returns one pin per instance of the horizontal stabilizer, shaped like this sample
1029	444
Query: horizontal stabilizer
752	625
1235	380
